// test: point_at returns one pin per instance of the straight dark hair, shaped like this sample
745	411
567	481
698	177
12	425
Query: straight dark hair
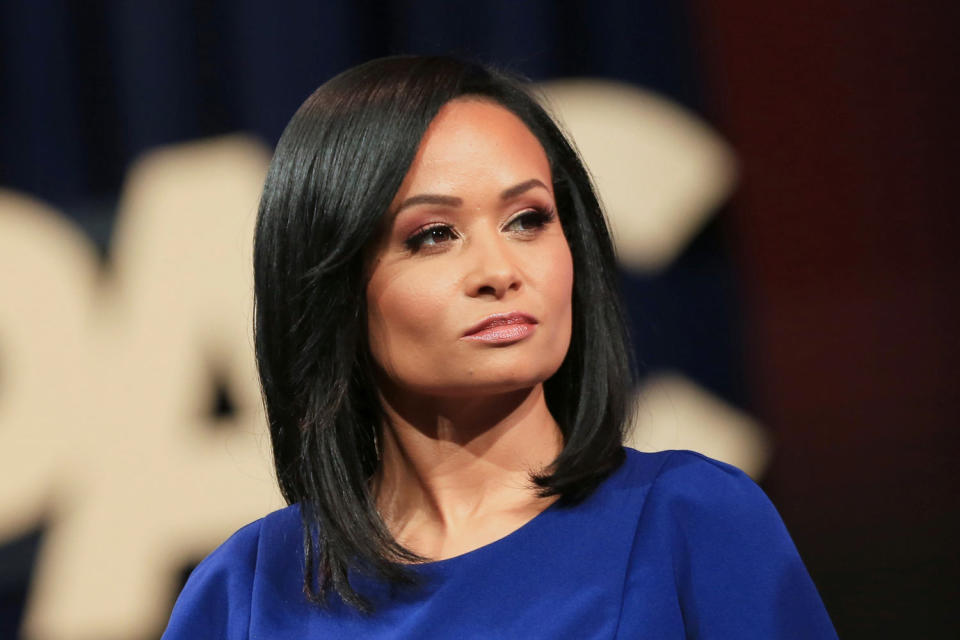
336	169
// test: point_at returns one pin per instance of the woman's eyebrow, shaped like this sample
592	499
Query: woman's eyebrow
429	198
516	190
453	201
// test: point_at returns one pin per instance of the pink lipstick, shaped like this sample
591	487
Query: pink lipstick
502	328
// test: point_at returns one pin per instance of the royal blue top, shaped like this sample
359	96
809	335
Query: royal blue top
671	545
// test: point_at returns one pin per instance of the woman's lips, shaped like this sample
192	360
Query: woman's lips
502	328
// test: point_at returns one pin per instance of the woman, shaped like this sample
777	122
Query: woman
445	371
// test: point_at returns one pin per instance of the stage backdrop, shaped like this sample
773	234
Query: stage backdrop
812	316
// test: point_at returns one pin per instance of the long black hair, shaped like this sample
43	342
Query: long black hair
337	167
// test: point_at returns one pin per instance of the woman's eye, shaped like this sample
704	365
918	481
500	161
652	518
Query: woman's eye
530	220
431	236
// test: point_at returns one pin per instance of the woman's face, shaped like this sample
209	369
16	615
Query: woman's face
470	286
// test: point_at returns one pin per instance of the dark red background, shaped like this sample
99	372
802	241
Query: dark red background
845	237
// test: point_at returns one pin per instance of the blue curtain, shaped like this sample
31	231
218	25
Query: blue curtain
86	86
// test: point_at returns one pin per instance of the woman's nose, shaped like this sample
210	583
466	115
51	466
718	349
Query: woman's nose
493	270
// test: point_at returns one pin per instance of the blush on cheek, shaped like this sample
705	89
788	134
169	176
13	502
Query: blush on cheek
405	319
377	341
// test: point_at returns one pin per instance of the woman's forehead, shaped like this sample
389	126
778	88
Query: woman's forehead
474	140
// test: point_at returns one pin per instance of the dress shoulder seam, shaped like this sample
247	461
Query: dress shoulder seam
636	527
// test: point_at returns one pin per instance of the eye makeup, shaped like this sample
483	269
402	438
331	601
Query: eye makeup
531	220
430	235
527	223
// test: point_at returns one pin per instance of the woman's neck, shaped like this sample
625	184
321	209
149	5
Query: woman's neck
455	472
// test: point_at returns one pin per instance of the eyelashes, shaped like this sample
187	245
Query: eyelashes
531	220
432	235
527	223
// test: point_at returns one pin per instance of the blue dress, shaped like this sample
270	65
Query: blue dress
671	545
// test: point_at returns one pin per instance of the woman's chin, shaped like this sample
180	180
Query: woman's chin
486	386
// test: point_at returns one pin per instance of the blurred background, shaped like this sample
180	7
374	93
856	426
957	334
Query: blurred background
781	178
